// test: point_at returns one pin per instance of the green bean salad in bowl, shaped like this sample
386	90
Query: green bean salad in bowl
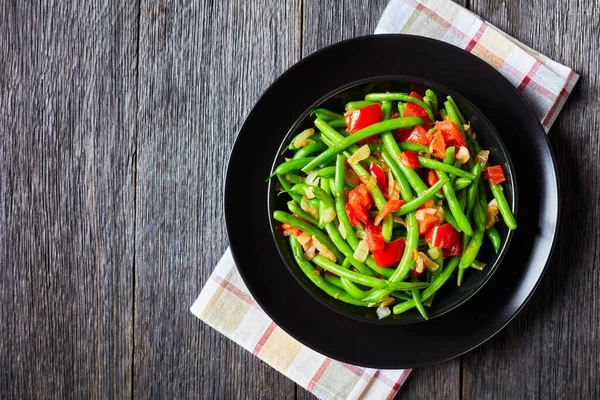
390	202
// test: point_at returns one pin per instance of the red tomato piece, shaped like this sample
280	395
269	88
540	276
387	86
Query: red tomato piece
294	231
389	207
360	196
363	117
414	110
390	255
419	136
352	215
455	250
401	134
426	223
416	95
374	237
494	174
452	136
428	204
378	173
437	146
432	178
443	236
409	159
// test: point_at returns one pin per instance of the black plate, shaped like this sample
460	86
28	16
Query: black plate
329	332
449	296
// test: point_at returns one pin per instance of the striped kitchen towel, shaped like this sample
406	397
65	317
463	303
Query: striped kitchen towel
227	306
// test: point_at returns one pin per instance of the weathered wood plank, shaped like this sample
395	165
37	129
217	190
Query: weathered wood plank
552	349
202	67
67	87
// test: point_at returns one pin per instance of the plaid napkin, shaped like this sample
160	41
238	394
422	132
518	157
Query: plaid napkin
225	303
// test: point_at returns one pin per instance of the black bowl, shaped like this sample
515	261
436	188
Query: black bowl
450	296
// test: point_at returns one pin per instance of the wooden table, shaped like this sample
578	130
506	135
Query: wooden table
116	121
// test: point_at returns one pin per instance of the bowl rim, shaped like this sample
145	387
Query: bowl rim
294	269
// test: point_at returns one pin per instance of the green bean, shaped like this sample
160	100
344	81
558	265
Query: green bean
454	118
292	165
461	183
427	102
405	189
444	114
433	287
337	123
296	209
337	282
440	166
472	191
417	298
326	172
434	274
412	242
317	280
462	200
304	226
399	97
287	189
294	178
322	195
364	133
309	149
355	105
471	251
450	153
326	115
412	177
375	296
418	201
450	218
340	171
479	216
454	205
432	131
407	146
344	247
352	289
462	119
507	215
494	237
478	265
373	147
327	132
357	277
401	107
434	100
328	141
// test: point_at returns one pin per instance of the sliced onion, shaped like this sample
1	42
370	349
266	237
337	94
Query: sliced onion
342	229
467	127
323	250
491	214
309	208
387	301
362	251
429	263
287	233
360	154
361	234
328	215
400	220
393	192
308	190
482	157
303	138
312	178
383	312
303	238
434	252
440	214
463	154
287	159
420	214
310	252
369	181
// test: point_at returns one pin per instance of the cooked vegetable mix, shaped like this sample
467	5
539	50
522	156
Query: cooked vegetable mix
383	213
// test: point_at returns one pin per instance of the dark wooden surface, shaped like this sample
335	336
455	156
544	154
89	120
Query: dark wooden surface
116	120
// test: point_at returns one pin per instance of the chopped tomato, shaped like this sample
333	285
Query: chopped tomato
494	174
363	117
452	136
432	178
378	173
428	204
409	159
374	237
443	236
419	136
455	250
292	229
360	201
352	215
401	134
389	207
426	223
414	110
390	255
437	146
416	95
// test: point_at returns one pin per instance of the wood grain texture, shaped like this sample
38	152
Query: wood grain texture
202	67
552	349
68	83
